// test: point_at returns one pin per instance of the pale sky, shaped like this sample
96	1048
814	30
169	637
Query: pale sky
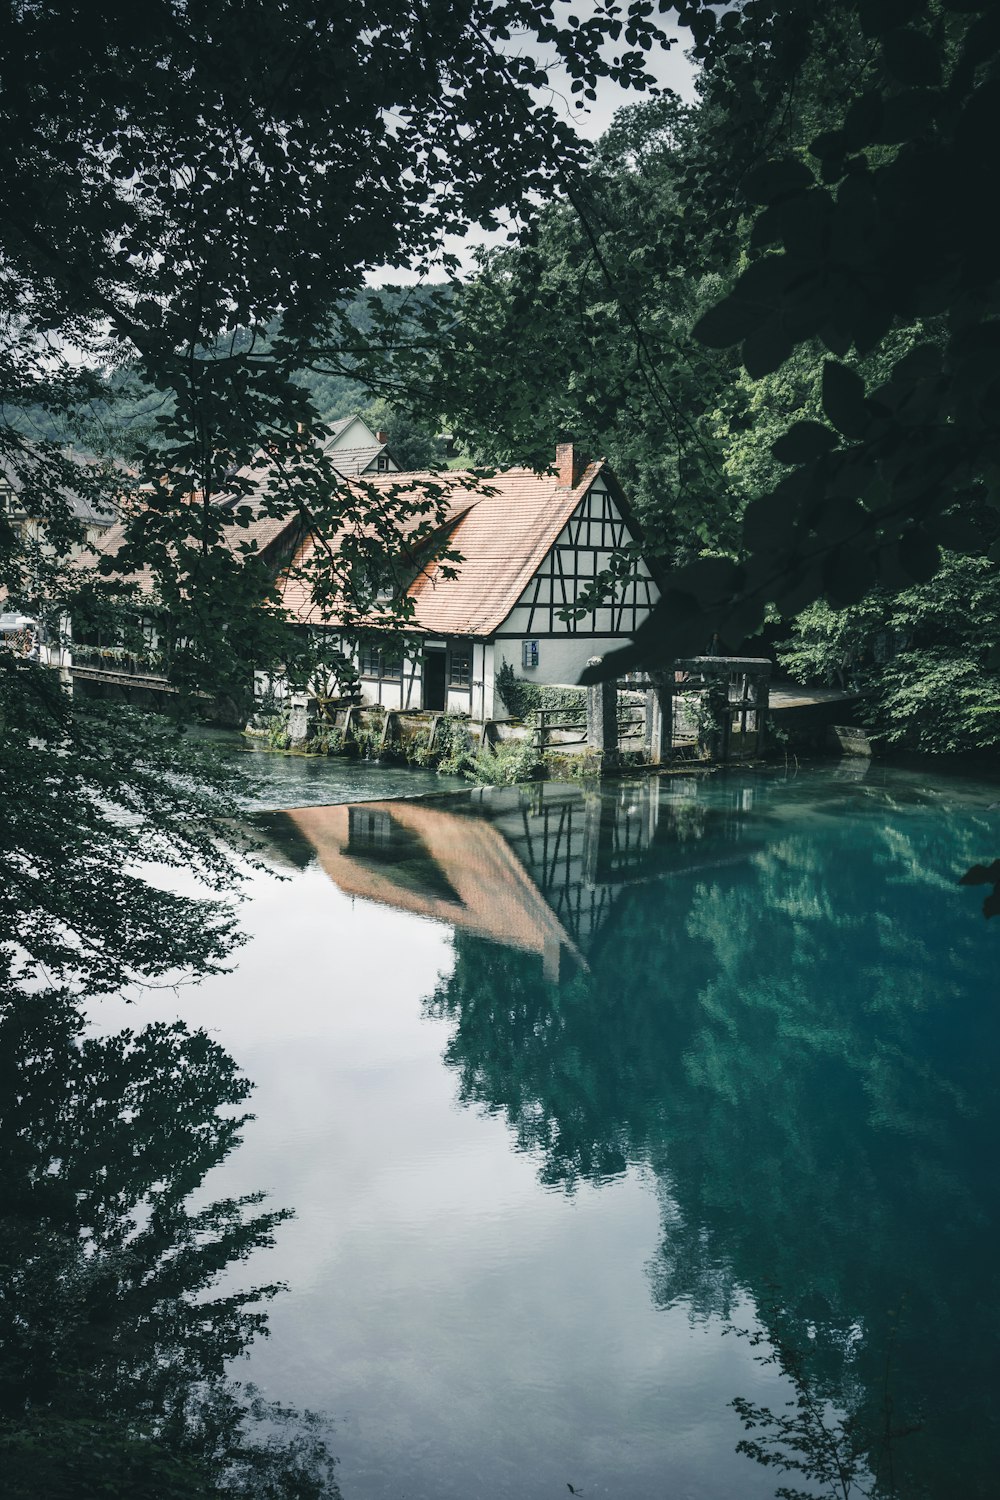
672	70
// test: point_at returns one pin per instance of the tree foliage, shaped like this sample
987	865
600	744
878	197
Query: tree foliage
584	330
875	226
114	1333
775	311
195	194
88	807
921	657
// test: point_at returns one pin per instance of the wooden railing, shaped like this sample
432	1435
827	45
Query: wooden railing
570	722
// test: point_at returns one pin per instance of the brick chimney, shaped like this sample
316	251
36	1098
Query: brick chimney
567	464
382	437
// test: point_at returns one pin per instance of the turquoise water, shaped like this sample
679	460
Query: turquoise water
276	779
561	1085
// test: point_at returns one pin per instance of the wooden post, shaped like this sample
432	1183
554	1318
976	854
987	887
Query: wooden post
602	715
660	717
388	731
715	735
539	732
762	696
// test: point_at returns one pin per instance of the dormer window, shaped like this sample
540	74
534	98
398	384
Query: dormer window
382	463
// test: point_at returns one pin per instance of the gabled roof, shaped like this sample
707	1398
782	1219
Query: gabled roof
503	539
431	503
503	528
336	430
351	462
81	507
262	533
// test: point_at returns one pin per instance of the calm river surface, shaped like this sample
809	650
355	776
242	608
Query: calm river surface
560	1084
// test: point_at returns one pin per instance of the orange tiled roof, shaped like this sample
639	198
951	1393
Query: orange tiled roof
502	527
262	532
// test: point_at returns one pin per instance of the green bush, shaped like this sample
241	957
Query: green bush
452	752
276	732
503	764
366	740
521	699
922	658
328	741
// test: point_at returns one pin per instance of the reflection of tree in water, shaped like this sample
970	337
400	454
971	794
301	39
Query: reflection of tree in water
807	1061
113	1342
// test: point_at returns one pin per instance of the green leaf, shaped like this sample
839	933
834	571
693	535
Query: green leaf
802	442
879	16
911	56
862	120
766	349
982	41
766	228
958	533
838	517
848	574
711	580
727	323
918	555
906	115
844	399
766	522
829	144
775	179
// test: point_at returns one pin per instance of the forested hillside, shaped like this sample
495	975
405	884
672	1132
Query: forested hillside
119	413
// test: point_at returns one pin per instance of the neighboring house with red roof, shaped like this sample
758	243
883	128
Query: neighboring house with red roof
355	453
25	509
530	544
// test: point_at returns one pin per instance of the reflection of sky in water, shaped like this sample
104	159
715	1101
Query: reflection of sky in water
473	1332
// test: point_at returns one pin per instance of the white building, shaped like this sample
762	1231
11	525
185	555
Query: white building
529	543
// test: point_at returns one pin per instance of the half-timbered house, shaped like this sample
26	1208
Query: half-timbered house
529	545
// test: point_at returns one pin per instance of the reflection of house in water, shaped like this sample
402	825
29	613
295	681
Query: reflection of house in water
538	868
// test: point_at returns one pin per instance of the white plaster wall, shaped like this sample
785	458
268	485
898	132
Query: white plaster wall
459	701
357	434
599	620
412	684
561	659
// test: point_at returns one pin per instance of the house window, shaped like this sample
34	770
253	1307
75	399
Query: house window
529	653
460	666
383	465
375	663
